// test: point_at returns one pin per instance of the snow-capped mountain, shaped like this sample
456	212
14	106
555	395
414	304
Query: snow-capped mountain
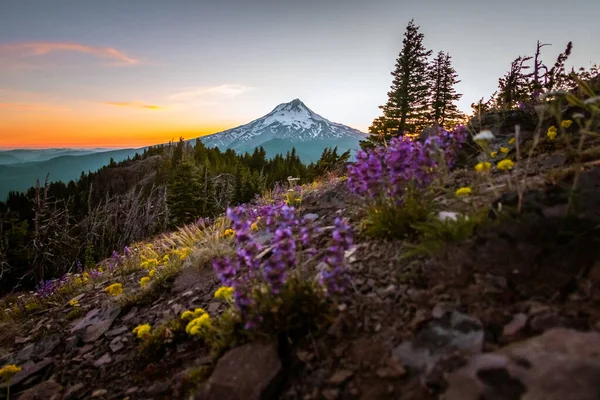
289	125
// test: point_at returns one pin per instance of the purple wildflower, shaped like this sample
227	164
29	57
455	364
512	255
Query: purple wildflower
335	278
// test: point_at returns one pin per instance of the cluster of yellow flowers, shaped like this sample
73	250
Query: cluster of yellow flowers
142	331
151	273
463	191
493	154
504	150
505	165
182	253
553	131
198	326
199	321
74	303
190	315
150	263
483	166
228	233
144	281
83	279
165	260
114	290
566	123
224	293
8	371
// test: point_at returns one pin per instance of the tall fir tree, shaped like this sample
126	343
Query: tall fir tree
444	111
406	110
184	193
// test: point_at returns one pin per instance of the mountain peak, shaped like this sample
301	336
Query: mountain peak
295	105
292	122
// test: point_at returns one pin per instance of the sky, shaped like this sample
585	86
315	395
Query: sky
116	73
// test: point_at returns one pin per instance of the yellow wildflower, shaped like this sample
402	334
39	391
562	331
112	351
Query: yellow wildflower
189	315
512	141
224	293
184	254
100	270
315	185
151	273
142	331
198	325
144	281
505	165
566	123
343	178
165	259
504	149
228	232
114	289
86	276
493	154
463	191
552	132
74	303
483	166
254	226
150	263
8	371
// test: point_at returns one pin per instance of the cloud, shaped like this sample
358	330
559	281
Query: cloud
15	51
226	90
134	104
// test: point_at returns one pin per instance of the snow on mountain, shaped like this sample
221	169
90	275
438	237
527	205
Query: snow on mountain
292	123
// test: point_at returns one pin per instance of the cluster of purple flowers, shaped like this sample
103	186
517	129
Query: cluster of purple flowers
388	170
291	239
49	287
114	260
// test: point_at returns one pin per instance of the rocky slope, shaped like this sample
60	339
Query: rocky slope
508	313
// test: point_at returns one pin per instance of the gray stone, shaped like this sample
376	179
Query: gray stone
99	392
263	237
48	390
249	372
310	217
96	323
340	377
72	392
117	331
105	359
28	370
213	307
511	329
116	345
37	350
559	364
451	333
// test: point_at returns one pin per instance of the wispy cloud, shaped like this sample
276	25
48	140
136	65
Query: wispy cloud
226	90
29	50
134	104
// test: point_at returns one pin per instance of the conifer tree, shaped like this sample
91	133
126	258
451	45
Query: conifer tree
444	111
407	105
184	193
